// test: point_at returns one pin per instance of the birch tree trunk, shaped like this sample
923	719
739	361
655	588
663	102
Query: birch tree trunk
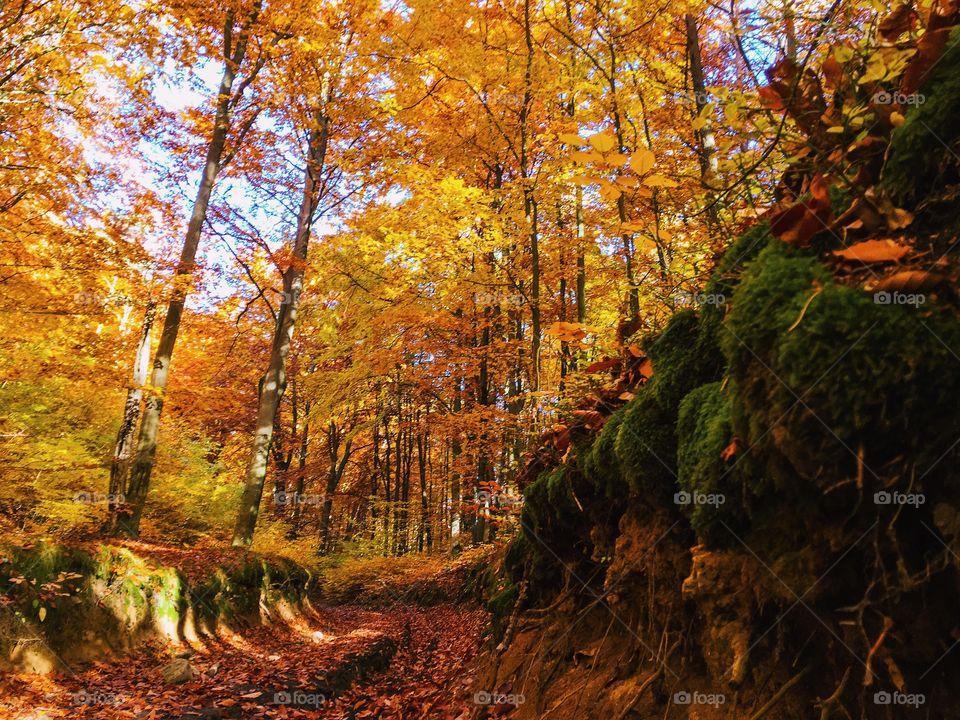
123	451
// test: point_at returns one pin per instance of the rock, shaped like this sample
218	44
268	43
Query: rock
178	671
188	653
212	670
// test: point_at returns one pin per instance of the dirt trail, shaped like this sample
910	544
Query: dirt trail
343	663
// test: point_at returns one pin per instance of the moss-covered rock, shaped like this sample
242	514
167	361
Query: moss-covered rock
710	488
598	462
881	377
918	160
682	359
646	447
88	603
550	510
745	248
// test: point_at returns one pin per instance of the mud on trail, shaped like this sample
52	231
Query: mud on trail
341	662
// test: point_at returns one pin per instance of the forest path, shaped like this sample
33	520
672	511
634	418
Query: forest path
344	662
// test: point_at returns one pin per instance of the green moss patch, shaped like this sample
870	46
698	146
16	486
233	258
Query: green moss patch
918	161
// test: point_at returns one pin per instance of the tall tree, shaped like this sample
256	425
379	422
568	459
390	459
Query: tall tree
237	35
274	380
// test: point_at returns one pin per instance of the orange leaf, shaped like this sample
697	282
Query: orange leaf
730	450
873	251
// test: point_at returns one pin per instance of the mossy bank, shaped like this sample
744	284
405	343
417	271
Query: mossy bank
67	604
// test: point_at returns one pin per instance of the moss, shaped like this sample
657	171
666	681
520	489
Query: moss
500	607
646	447
820	371
711	486
884	376
770	297
840	199
599	463
549	509
682	359
745	248
917	161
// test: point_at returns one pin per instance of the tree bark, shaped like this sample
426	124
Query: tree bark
128	521
337	465
529	200
274	381
705	136
123	451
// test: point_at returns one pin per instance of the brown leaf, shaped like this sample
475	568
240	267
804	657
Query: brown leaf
910	281
646	368
832	72
591	418
798	223
873	251
902	19
601	365
930	49
800	94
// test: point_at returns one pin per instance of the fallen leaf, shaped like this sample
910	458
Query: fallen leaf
910	280
873	251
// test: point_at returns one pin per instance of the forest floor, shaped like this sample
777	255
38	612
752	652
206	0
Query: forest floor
339	662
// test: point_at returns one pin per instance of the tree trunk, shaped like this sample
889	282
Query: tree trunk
123	452
128	522
529	201
301	472
335	473
705	136
274	380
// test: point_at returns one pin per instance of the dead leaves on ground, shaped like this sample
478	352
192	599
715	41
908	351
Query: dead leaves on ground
435	645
